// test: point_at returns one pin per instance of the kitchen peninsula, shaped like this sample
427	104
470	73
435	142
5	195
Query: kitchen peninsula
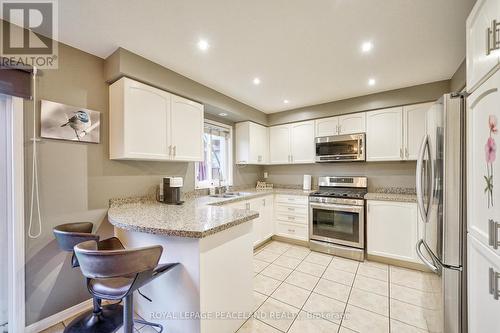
211	291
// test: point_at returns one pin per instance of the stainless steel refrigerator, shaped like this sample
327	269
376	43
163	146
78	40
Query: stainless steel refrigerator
441	203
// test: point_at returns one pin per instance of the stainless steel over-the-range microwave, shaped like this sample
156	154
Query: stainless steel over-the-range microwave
340	148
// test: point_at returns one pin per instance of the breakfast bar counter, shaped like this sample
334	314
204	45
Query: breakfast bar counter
211	290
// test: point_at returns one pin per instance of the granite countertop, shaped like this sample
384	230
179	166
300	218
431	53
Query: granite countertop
198	217
399	194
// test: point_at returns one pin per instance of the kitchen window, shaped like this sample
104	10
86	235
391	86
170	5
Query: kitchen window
216	168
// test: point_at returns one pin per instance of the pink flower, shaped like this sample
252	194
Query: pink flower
492	120
491	150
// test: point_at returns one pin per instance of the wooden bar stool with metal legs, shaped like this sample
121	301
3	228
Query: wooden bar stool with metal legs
101	318
116	274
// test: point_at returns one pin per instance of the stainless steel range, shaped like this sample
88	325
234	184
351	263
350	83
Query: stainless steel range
337	217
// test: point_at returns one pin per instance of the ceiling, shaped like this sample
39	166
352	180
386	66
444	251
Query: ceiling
306	52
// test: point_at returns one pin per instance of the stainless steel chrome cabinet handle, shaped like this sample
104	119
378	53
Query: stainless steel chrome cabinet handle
291	230
406	153
170	150
492	33
493	228
401	153
292	209
175	151
291	218
493	279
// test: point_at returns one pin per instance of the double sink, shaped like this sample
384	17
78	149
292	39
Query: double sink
230	194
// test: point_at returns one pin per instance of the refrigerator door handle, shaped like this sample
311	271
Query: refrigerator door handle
420	194
429	264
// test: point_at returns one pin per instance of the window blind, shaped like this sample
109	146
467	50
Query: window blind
14	80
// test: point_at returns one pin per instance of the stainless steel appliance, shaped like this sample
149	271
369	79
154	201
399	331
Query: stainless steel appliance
337	217
441	203
170	191
340	148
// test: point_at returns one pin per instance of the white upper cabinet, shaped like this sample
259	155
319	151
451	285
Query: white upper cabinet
483	180
395	134
346	124
384	135
292	143
302	142
326	126
186	128
279	144
252	143
479	31
352	123
147	123
414	128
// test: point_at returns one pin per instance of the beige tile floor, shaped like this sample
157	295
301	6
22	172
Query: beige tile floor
296	290
299	291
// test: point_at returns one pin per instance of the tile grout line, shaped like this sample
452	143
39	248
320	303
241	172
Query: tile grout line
312	290
348	298
281	282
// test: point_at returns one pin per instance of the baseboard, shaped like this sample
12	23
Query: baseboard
290	240
58	317
399	263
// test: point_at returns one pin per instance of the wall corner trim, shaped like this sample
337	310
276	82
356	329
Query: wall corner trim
58	317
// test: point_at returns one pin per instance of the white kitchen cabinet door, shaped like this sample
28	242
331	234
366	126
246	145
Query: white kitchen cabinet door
302	145
414	128
258	223
352	123
139	116
384	136
326	126
252	143
479	62
186	128
279	144
483	267
259	134
392	230
267	217
483	166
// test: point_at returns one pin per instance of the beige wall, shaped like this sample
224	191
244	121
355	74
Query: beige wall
77	180
458	80
387	174
404	96
125	63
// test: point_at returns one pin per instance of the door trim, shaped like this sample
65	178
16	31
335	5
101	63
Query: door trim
14	135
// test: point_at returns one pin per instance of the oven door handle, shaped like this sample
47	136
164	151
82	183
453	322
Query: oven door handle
346	208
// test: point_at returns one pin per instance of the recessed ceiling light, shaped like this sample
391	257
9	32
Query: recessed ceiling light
203	45
223	114
256	81
371	82
366	46
286	101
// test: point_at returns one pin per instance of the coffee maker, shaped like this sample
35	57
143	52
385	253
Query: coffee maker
170	191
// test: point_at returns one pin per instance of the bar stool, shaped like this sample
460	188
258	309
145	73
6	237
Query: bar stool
116	274
101	318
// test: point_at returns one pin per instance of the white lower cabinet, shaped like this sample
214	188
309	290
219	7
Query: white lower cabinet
483	283
291	216
393	229
282	215
263	226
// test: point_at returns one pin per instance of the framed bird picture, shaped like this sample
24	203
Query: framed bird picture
65	122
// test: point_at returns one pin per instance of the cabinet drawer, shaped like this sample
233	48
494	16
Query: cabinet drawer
292	199
292	230
291	209
301	219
